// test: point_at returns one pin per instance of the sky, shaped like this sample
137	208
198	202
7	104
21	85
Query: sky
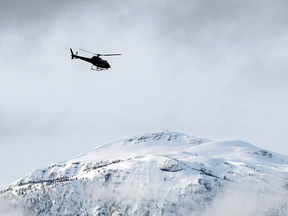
210	69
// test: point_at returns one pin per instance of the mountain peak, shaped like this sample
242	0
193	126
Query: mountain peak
161	136
163	142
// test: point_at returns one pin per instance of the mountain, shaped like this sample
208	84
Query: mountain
163	173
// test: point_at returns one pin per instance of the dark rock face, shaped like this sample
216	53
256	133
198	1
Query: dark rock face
263	153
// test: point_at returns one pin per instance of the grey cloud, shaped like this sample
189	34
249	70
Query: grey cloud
224	18
29	126
21	14
246	39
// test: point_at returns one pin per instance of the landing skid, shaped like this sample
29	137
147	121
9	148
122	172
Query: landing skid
98	68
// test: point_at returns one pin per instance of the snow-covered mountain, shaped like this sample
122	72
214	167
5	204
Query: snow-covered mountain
162	173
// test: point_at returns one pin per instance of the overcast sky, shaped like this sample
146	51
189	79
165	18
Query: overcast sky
211	69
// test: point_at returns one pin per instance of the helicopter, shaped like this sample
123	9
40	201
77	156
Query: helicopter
96	61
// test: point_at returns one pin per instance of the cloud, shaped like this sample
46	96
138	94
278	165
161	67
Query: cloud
250	198
244	41
6	209
30	126
26	14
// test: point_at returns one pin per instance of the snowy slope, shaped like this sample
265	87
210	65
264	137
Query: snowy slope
160	173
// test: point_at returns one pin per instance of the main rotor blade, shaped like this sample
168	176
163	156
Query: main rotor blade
99	54
108	54
88	51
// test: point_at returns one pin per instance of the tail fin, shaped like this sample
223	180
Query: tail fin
72	54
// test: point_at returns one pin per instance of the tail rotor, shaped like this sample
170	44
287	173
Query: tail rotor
73	55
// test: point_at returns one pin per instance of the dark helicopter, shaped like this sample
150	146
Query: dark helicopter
96	61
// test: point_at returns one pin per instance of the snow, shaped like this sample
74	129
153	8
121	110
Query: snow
164	172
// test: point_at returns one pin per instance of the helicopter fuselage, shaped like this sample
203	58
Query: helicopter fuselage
95	60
